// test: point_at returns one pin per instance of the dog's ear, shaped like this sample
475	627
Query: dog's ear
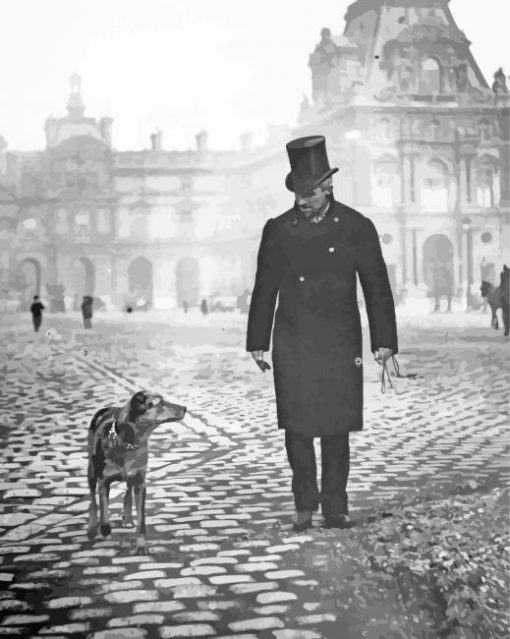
125	432
138	404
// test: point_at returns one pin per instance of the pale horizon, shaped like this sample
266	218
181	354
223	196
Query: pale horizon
182	65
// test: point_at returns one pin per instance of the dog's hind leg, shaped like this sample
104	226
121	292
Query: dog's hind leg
127	517
506	319
104	515
140	493
495	317
93	522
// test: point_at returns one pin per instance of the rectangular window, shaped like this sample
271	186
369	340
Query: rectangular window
82	224
61	221
103	220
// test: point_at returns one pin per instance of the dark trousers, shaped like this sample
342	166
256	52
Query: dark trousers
335	455
37	321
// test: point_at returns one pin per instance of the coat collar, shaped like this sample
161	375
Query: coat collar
332	212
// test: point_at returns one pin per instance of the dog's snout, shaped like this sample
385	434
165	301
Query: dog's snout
173	412
182	411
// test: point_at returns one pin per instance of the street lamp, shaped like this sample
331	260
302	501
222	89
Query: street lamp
466	226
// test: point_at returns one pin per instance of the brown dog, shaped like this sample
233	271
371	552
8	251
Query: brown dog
118	450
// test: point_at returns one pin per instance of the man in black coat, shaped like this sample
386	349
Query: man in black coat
86	310
36	309
309	258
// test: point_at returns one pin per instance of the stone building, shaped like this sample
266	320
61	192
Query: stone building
159	226
421	140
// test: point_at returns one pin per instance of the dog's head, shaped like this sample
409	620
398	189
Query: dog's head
146	409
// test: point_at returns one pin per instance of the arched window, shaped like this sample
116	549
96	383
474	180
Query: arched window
383	181
484	129
485	182
82	223
430	81
434	188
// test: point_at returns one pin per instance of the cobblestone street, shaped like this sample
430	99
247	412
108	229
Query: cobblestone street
222	558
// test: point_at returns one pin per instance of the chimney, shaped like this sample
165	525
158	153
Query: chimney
246	141
201	139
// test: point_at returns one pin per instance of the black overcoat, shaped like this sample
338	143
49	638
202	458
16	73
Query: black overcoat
317	346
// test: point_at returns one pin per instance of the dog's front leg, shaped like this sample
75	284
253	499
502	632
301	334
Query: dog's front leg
127	519
104	515
139	488
92	479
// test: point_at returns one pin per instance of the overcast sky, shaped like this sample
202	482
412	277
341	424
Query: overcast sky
229	66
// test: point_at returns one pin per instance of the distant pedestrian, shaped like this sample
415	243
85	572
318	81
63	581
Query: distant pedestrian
36	309
86	311
442	285
203	307
185	306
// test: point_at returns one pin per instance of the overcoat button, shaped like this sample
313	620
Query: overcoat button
331	249
301	278
335	219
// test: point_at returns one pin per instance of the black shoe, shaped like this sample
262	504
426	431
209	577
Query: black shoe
336	521
304	521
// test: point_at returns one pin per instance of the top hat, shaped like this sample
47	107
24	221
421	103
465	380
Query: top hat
308	163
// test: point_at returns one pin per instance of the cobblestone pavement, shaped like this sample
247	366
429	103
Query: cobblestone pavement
222	559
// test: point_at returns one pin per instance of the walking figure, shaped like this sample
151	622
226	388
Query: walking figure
86	311
203	307
36	309
442	285
309	257
185	306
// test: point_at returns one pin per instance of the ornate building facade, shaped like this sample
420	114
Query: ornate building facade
164	226
421	140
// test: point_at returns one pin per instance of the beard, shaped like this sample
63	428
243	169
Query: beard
310	211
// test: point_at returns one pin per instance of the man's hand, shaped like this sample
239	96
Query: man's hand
258	356
382	354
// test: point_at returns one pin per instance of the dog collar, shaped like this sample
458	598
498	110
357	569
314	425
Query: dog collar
115	440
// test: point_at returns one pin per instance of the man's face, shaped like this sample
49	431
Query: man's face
312	202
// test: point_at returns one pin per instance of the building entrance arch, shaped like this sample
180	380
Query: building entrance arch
86	277
140	279
84	280
28	280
